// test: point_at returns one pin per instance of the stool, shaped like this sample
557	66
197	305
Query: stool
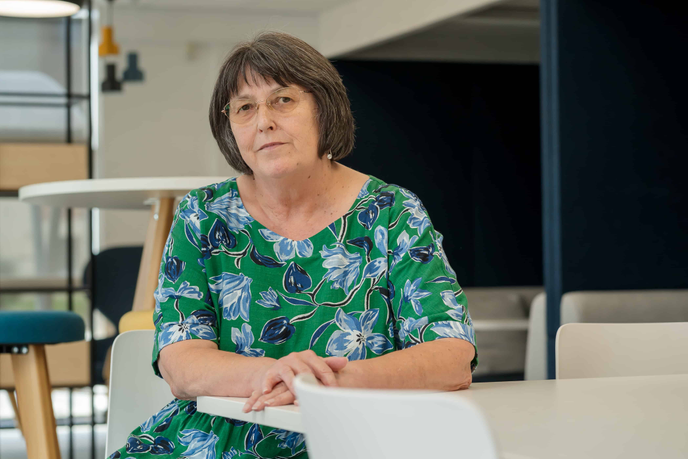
24	336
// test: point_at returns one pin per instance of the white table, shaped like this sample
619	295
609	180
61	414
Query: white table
632	417
156	194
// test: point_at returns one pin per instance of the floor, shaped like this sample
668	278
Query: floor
12	445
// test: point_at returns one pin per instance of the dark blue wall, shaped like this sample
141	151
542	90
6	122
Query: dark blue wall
465	138
615	146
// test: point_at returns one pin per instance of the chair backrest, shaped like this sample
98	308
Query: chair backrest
117	270
608	350
136	393
536	343
625	306
364	423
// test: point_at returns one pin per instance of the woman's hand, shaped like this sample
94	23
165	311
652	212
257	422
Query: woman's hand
285	370
280	395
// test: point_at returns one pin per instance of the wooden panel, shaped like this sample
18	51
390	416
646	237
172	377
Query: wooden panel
68	365
28	163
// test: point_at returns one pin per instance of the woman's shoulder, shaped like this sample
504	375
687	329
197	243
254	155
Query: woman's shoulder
390	195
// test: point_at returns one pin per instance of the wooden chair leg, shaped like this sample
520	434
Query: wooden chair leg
33	397
13	400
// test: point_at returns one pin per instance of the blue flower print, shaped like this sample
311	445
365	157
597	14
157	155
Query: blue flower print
368	216
413	294
201	445
160	445
342	266
285	249
230	208
419	217
291	440
230	454
234	293
270	299
243	340
354	336
384	199
185	290
174	268
410	325
363	242
192	215
422	254
453	329
438	238
375	268
169	410
381	239
364	190
403	244
277	331
219	235
449	298
192	326
296	279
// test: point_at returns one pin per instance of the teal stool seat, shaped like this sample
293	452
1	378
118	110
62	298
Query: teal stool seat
24	335
40	327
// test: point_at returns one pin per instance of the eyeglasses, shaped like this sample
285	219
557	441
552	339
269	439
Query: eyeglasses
283	100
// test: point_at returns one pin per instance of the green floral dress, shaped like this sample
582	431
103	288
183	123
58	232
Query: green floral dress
373	282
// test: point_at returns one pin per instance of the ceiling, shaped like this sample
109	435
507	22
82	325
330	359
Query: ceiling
506	32
273	6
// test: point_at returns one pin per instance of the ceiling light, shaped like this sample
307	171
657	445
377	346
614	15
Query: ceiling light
39	8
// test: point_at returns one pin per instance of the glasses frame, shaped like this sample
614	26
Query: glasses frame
225	111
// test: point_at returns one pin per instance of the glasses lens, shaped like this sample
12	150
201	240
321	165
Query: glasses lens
241	110
285	100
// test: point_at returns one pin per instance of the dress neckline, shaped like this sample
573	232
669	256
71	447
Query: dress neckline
365	186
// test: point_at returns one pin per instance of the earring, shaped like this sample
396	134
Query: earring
329	155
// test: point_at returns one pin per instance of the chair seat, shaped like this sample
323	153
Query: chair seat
40	327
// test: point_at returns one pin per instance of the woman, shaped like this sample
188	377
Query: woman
300	265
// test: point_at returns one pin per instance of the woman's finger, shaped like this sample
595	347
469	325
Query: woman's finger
251	401
320	368
287	375
285	398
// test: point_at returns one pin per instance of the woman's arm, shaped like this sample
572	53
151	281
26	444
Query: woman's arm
198	367
443	364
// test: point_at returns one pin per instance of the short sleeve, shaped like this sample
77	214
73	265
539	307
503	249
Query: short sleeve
183	305
429	303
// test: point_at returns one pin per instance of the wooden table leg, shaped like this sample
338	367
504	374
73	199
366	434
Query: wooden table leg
33	397
158	228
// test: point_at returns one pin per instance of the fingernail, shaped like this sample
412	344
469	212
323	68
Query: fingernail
268	403
296	402
256	405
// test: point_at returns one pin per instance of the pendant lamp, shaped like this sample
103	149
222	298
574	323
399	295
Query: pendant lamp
39	8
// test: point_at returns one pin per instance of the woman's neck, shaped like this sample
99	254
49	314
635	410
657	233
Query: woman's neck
305	193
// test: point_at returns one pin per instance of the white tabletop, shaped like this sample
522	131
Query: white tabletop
116	193
635	417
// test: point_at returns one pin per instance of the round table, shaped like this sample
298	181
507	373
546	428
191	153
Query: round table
156	194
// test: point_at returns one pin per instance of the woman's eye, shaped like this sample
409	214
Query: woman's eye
244	108
284	100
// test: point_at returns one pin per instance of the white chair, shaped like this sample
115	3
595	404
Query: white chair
365	423
608	350
135	392
536	343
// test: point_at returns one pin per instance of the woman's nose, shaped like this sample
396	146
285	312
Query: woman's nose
264	116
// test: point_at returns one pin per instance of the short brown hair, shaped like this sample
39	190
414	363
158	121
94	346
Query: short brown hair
286	60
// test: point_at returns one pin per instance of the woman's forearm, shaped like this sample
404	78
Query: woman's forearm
443	364
193	371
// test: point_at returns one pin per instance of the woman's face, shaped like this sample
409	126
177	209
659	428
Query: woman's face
296	131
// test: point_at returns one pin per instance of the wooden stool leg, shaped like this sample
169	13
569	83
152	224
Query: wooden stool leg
158	228
13	400
33	397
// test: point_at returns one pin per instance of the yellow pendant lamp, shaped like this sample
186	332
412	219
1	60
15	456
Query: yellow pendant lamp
108	47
